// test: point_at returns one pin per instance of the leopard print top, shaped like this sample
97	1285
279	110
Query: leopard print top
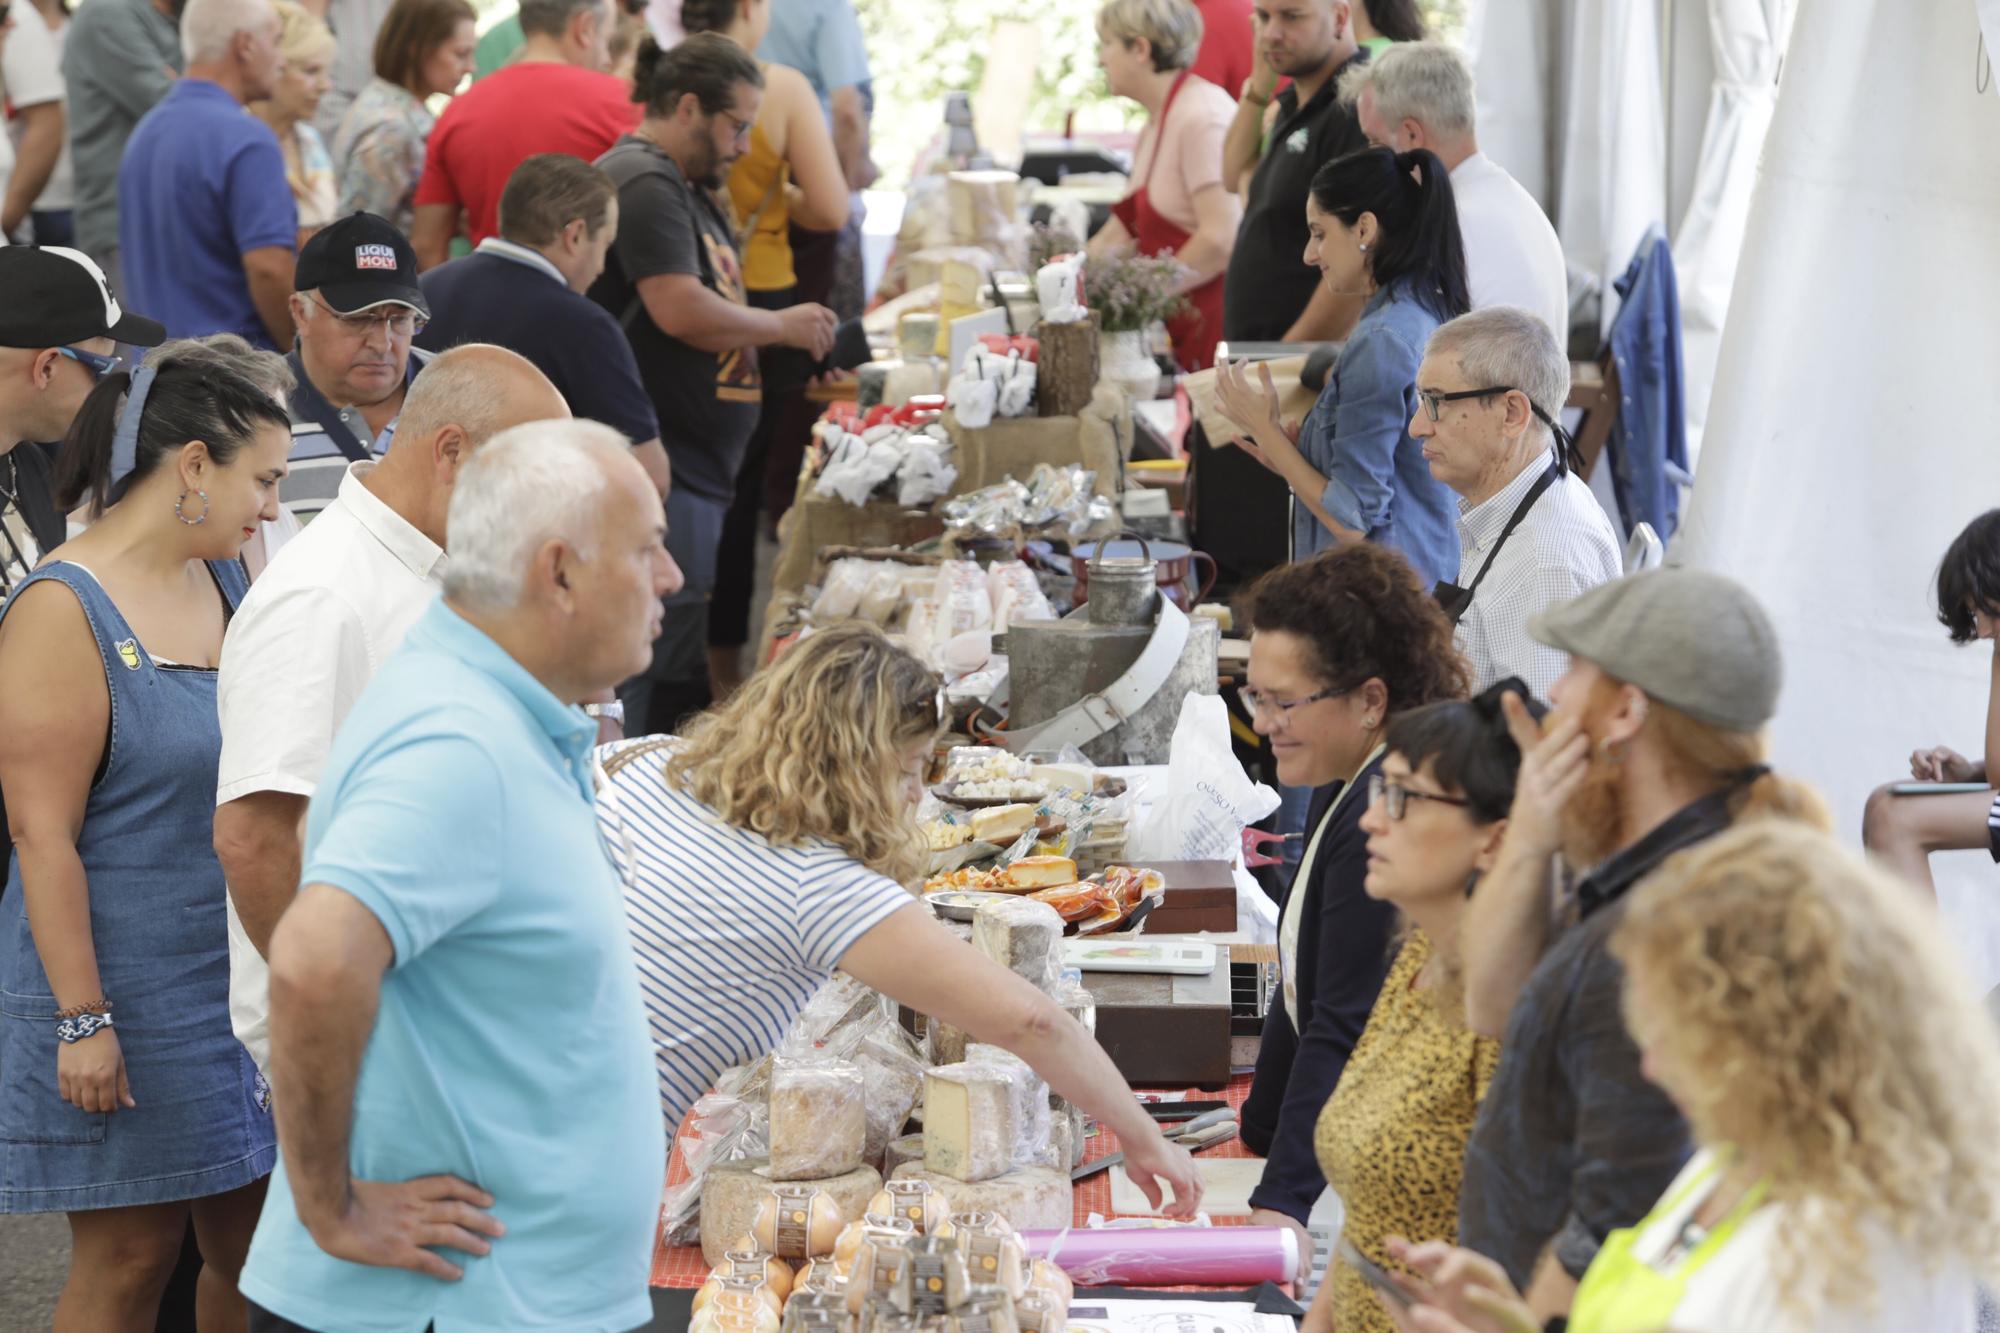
1392	1137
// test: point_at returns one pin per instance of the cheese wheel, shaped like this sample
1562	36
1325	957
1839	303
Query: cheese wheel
797	1222
970	1121
819	1119
1031	1198
857	1234
716	1318
714	1287
1046	1277
909	1148
913	1201
746	1260
731	1193
1023	936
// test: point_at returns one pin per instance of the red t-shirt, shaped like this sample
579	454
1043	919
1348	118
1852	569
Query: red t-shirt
1228	52
509	116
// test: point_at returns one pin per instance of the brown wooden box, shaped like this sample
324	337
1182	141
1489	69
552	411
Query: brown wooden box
1201	895
1165	1032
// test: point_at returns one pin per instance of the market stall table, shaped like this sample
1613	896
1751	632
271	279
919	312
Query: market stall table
683	1266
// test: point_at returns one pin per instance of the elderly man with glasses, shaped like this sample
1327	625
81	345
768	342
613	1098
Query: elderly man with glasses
357	307
1530	533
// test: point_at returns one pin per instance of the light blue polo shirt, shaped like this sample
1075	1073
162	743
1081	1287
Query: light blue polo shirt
511	1047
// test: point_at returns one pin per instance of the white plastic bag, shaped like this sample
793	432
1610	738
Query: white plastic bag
1209	800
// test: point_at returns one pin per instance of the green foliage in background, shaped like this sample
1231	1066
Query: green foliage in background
919	50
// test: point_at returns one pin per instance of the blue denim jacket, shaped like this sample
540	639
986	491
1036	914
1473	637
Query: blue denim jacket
1648	445
1358	437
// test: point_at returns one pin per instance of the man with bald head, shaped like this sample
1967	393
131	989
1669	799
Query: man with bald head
320	621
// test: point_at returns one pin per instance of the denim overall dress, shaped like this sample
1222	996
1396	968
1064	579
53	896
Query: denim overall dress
162	946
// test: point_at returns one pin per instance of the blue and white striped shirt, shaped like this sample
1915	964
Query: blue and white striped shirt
732	935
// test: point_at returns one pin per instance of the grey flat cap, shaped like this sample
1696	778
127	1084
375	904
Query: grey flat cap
1691	639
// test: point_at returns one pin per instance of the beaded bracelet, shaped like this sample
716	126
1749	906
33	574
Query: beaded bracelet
79	1010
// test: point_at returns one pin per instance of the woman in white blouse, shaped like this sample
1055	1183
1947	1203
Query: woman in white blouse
772	842
1843	1080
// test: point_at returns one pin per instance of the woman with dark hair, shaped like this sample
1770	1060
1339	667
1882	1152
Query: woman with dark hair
1901	827
790	176
1392	1137
1339	645
1378	23
108	751
423	49
1380	224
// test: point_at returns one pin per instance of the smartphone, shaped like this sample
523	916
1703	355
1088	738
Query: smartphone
1936	788
1164	1112
1372	1273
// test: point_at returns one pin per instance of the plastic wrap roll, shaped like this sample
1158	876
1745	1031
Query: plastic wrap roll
1167	1256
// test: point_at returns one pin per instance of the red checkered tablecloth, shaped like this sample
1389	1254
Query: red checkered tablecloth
682	1265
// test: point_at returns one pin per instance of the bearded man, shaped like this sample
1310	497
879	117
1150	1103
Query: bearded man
1655	744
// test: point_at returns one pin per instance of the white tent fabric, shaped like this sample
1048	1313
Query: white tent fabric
1570	103
1748	40
1851	434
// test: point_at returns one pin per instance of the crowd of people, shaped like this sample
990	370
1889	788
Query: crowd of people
331	584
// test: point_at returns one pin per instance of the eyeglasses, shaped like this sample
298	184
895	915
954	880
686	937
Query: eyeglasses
1395	798
401	321
741	127
1259	702
1432	400
100	366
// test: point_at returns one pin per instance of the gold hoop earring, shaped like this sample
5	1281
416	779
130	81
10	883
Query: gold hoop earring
181	514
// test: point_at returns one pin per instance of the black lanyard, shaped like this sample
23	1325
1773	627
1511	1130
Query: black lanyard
1456	600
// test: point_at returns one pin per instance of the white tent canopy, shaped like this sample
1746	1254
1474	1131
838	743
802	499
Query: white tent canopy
1851	435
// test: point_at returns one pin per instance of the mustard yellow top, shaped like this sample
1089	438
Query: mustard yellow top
758	175
1392	1137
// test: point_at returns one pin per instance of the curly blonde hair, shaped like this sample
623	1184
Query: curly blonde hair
811	748
1829	1035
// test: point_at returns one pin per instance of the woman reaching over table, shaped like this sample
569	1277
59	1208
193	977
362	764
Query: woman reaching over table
771	843
1382	225
1339	646
1392	1138
1842	1080
1179	205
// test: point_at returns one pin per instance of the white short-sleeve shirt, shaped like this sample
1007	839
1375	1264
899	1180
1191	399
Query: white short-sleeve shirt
315	628
1512	256
31	73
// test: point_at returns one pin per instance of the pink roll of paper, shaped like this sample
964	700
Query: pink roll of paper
1169	1256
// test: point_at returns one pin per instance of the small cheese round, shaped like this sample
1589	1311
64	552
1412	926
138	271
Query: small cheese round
924	1209
1047	1277
817	1214
777	1273
856	1233
711	1289
1031	1198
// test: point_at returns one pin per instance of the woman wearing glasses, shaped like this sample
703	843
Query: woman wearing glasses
1381	225
772	842
1339	645
127	1103
1392	1138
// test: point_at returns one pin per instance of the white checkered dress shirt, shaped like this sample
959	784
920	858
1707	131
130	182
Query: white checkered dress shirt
1565	546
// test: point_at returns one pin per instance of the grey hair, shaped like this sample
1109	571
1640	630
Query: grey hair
528	485
209	26
1172	26
1428	82
464	391
1504	344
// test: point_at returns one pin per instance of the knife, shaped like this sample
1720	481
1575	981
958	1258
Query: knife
1193	1127
1089	1169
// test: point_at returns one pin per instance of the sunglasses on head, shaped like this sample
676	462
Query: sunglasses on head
97	365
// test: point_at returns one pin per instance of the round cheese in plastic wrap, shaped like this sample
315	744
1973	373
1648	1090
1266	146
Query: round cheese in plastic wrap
1047	1277
734	1193
913	1200
909	1148
1031	1198
819	1118
856	1234
720	1283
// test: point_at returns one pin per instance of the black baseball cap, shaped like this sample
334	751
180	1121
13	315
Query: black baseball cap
51	296
358	262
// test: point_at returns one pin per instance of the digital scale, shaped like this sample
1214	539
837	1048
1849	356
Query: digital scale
1165	957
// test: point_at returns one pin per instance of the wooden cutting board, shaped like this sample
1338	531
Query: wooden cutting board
1226	1185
